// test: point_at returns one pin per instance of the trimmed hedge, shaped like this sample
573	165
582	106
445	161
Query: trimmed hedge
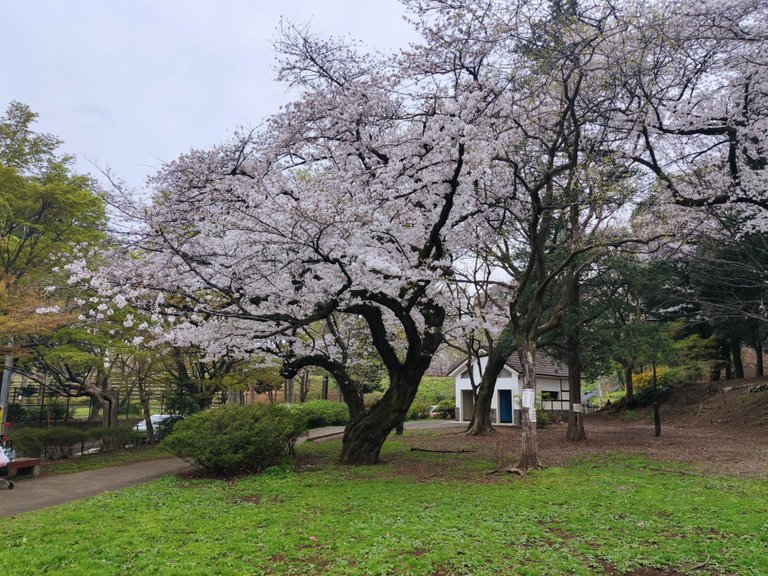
52	443
233	439
111	439
319	413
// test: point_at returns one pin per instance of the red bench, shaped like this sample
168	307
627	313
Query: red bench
24	467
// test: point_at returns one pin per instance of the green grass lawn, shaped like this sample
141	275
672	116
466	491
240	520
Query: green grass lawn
96	461
620	514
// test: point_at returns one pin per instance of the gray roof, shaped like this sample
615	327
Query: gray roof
545	366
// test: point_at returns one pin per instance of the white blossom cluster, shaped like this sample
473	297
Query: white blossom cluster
368	195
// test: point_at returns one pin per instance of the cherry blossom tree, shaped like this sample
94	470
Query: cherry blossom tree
558	182
695	97
353	201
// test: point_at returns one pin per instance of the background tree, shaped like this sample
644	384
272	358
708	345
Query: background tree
45	211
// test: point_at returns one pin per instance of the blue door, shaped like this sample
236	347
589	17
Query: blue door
505	406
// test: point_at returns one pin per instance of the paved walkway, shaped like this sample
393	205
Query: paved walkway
35	493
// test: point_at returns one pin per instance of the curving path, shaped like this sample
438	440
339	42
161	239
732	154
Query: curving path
35	493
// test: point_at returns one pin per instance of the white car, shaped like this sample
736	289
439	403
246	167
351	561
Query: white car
156	419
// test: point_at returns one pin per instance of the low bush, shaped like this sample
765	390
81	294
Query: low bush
667	379
19	414
542	418
235	439
51	443
111	439
447	409
165	427
419	411
319	413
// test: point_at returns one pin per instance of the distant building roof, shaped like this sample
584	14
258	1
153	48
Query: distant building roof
545	366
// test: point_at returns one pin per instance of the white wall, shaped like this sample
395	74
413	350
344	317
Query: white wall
508	380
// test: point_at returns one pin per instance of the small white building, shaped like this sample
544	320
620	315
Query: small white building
551	389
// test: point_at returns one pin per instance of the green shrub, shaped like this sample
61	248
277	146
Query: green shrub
542	418
19	414
447	409
666	380
319	413
111	439
52	443
419	411
28	442
165	427
235	439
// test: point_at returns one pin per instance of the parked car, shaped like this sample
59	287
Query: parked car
161	425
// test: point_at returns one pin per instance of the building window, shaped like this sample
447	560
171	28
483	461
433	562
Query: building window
548	395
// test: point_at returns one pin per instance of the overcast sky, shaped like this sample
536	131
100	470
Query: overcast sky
131	84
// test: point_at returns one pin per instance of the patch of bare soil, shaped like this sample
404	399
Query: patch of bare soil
719	428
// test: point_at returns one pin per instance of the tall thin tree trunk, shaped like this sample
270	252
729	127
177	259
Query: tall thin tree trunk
738	364
575	430
529	456
759	369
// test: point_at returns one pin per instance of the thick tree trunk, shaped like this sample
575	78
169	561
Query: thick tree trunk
529	456
759	369
364	436
629	398
481	417
109	409
481	424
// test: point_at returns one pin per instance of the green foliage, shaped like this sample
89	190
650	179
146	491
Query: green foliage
164	428
55	411
419	411
53	443
113	438
20	147
667	379
435	389
232	439
319	413
447	409
542	418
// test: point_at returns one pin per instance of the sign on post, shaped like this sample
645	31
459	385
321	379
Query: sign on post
529	398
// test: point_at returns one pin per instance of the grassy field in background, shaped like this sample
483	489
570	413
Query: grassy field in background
434	389
622	513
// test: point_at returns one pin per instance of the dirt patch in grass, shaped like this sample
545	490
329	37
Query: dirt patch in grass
716	449
715	427
609	570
